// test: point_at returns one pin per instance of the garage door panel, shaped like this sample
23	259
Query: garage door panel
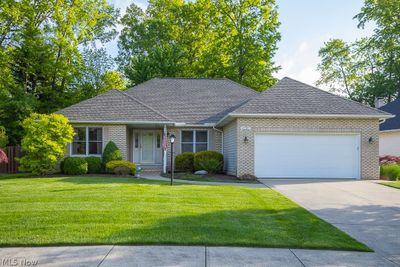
308	156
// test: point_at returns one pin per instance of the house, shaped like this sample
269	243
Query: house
389	136
290	130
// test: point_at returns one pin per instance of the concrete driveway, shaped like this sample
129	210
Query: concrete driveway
367	211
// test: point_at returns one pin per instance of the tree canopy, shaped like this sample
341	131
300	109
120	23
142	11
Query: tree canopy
219	38
43	67
370	67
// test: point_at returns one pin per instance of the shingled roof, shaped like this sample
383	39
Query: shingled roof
208	101
192	101
392	123
113	106
292	97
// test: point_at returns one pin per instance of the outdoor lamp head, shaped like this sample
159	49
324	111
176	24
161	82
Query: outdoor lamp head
172	138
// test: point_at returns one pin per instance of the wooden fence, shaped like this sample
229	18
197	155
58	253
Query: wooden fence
12	165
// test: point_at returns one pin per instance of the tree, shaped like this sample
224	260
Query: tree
337	67
97	75
372	64
247	33
221	38
163	61
40	48
44	142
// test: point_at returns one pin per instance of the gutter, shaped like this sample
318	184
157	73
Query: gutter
291	115
390	131
123	122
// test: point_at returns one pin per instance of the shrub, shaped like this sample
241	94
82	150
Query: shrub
111	152
211	165
75	166
44	142
3	156
94	164
390	171
209	159
184	162
389	159
121	167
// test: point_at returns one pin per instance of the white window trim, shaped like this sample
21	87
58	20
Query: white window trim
194	139
87	142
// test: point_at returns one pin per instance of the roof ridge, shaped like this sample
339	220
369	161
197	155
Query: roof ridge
332	94
140	102
188	78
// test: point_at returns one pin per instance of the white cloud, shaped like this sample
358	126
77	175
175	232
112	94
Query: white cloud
300	63
303	47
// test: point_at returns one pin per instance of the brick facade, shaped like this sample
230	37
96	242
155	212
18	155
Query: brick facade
119	135
365	127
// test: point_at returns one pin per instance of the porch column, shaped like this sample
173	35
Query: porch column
165	145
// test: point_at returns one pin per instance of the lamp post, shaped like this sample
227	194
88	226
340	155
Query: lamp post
172	140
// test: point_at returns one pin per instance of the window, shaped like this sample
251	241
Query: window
136	140
194	141
158	140
87	141
95	141
79	142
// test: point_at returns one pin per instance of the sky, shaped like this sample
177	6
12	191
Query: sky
305	26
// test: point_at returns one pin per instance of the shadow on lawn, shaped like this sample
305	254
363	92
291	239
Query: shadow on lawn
286	228
113	180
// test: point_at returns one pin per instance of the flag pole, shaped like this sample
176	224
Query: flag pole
165	149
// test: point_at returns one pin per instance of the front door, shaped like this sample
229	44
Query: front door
147	147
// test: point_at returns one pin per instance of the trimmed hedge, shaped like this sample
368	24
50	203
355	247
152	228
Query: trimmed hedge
185	162
111	152
94	164
75	166
211	161
121	167
390	171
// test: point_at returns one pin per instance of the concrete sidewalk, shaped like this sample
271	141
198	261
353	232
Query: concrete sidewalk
183	256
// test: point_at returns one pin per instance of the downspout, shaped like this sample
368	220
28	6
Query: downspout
222	138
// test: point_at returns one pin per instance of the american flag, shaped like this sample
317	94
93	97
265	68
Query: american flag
164	142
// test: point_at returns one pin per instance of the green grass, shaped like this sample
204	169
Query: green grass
209	178
395	184
106	210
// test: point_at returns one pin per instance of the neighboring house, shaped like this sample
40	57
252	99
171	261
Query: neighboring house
290	130
389	136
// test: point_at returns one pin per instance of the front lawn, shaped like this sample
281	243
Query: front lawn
395	184
106	210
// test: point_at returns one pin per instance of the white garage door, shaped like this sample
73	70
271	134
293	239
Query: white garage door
307	156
